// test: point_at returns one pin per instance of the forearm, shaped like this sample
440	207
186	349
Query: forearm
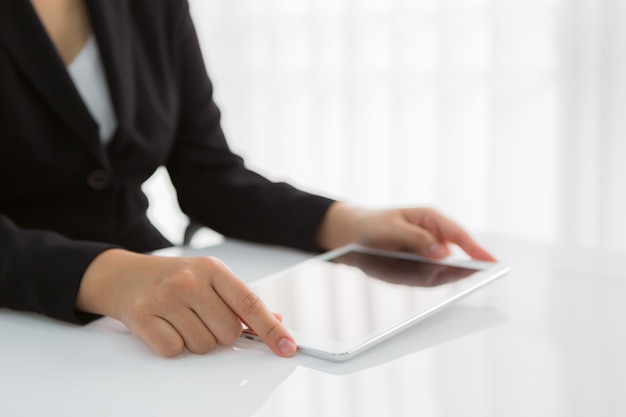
41	271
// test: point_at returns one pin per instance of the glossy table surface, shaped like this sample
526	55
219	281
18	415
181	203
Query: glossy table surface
546	340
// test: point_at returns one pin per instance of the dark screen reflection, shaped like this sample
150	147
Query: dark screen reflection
404	271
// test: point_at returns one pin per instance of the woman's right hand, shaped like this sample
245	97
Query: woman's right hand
173	303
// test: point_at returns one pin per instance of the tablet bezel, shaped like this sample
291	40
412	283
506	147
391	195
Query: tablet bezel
486	272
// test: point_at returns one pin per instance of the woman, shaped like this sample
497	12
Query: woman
94	96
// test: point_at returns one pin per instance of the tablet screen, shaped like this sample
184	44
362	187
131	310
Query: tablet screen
348	298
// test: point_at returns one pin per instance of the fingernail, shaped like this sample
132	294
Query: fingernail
436	251
287	347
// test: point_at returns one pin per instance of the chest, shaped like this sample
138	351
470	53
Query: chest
49	141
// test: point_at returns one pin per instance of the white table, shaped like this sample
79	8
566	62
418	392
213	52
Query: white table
546	340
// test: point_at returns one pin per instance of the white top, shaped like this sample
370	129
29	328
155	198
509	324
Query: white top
87	72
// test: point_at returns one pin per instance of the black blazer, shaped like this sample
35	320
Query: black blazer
64	198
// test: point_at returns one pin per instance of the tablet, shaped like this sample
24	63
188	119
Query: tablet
343	302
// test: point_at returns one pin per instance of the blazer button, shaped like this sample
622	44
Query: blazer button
98	179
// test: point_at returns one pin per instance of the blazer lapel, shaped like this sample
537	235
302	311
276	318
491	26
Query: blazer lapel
110	24
26	40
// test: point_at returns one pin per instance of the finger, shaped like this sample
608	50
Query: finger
446	230
422	242
473	249
160	335
454	233
252	311
249	330
219	318
197	337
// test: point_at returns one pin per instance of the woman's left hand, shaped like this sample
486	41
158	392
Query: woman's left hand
420	230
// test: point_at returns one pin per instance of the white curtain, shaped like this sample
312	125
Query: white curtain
504	114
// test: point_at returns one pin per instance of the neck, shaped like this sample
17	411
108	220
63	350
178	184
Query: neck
67	24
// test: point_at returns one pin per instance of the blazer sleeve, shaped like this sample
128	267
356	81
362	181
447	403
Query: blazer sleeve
213	184
41	271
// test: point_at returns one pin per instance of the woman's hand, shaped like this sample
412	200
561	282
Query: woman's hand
420	230
173	303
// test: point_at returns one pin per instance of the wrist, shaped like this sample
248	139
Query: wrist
97	291
338	228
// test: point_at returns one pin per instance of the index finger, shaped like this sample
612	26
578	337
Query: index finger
448	230
255	314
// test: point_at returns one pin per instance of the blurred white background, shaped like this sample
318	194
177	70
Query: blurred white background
507	115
